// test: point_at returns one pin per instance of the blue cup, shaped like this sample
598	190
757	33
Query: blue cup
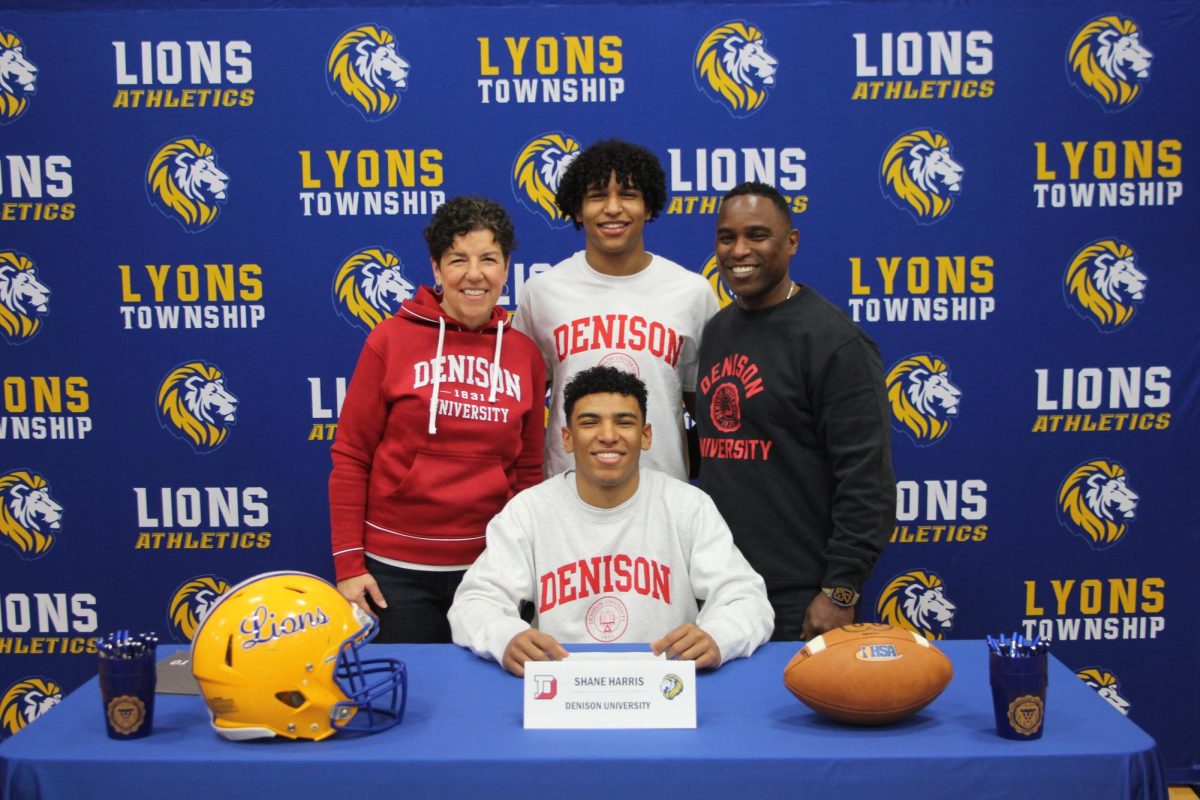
127	691
1018	695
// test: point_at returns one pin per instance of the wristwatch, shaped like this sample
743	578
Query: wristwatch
842	596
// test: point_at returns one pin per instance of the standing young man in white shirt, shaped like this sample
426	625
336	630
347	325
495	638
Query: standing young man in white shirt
615	304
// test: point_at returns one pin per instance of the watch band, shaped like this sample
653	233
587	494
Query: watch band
842	596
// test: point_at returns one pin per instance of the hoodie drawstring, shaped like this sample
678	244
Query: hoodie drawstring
496	375
437	377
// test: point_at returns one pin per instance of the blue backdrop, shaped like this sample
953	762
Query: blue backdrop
202	213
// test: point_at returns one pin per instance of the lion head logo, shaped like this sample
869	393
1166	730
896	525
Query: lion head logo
922	398
25	701
732	67
916	601
29	516
538	171
24	299
1096	503
1103	284
194	405
1105	684
711	272
185	184
18	77
192	602
1107	61
369	287
365	72
919	175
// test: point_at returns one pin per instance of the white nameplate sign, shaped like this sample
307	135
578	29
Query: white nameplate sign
610	690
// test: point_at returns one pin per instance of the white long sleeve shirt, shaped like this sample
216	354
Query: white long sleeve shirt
627	574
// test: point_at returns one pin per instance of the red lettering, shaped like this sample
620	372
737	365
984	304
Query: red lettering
566	592
641	576
549	593
621	565
560	341
589	578
657	335
662	583
637	333
602	332
579	340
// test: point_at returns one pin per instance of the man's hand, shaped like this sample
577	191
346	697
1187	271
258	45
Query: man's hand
689	643
357	588
824	615
531	645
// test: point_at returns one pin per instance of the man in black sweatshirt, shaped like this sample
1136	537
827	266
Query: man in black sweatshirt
794	424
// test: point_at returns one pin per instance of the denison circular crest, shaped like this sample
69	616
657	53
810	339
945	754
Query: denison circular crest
622	362
726	408
607	619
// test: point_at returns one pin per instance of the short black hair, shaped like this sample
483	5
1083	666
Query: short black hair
461	215
603	380
634	165
762	190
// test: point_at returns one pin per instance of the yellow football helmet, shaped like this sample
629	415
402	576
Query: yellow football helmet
278	655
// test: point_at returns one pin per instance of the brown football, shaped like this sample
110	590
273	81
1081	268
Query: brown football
868	674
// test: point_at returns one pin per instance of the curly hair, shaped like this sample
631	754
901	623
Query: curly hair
461	215
759	189
633	165
603	380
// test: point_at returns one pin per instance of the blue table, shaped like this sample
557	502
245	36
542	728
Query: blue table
462	738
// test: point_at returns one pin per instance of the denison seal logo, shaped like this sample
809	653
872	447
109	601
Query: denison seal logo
1108	62
24	299
25	701
922	398
919	175
369	287
916	601
18	77
621	361
185	184
29	516
1104	285
1096	504
192	602
607	619
725	409
194	405
365	72
537	173
733	68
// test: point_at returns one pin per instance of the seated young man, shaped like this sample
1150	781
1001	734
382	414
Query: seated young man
610	552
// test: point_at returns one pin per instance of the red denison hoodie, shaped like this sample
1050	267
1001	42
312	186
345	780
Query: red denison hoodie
440	426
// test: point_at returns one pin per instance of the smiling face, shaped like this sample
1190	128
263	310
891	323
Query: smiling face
755	244
614	220
472	272
607	434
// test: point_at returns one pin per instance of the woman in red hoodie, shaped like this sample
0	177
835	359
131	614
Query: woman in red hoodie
442	423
